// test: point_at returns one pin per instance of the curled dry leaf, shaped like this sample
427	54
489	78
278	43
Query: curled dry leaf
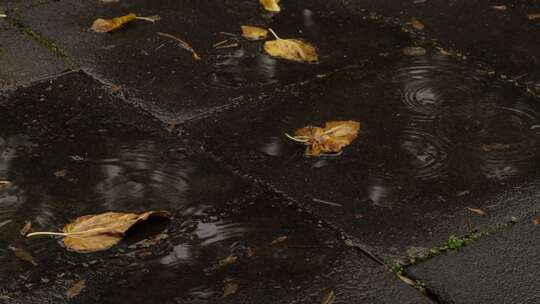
181	43
329	298
76	289
477	211
108	25
253	32
331	139
26	228
271	5
416	24
97	232
291	49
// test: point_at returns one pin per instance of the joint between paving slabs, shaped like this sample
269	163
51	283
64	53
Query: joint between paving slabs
48	43
420	37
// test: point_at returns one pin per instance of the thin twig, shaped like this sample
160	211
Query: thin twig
181	43
153	18
274	33
220	43
228	46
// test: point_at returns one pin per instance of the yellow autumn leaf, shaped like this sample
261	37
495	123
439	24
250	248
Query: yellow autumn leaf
253	32
331	139
108	25
291	49
271	5
97	232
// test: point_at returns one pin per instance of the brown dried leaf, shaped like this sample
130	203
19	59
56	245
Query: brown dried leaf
253	32
416	24
407	280
291	49
76	289
23	255
271	5
329	298
228	260
279	239
533	16
26	228
331	139
97	232
477	211
108	25
536	222
181	43
171	126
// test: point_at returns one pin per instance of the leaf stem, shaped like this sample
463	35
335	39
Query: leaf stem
152	19
66	233
297	139
274	33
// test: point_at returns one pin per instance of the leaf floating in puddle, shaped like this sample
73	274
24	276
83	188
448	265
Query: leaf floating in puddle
76	289
60	173
279	240
181	43
416	24
477	211
329	298
291	49
108	25
271	5
414	51
26	228
533	16
97	232
331	139
253	32
23	255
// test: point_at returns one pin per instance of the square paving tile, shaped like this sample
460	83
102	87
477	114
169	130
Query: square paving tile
436	138
167	80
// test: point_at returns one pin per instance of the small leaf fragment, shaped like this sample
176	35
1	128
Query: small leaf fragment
329	298
76	289
271	5
291	49
533	16
536	222
60	173
108	25
279	239
477	211
331	139
499	7
407	280
4	184
414	51
229	289
23	255
416	24
228	260
253	32
98	232
26	228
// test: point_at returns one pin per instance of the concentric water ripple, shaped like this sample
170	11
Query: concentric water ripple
426	155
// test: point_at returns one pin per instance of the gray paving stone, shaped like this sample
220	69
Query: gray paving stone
23	59
501	268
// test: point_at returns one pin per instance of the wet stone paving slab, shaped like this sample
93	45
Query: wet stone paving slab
435	138
167	79
68	148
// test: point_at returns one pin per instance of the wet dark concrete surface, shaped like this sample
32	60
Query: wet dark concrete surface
24	60
436	137
70	148
502	268
498	38
169	82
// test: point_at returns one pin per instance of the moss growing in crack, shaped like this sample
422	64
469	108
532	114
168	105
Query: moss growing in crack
49	44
